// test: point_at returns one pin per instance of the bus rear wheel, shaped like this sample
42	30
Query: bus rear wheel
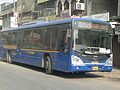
9	59
48	65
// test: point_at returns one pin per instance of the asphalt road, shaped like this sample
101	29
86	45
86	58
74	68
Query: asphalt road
22	77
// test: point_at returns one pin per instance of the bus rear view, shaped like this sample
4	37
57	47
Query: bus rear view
92	43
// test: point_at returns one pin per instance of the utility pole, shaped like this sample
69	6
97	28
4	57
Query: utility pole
15	13
22	4
118	8
8	18
14	6
89	7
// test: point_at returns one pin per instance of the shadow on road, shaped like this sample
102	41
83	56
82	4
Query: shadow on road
76	75
62	74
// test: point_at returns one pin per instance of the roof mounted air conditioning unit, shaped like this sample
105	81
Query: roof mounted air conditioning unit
80	6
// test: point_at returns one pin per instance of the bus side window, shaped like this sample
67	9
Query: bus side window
54	38
20	39
26	43
36	38
14	38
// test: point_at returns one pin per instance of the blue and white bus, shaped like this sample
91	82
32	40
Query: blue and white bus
69	45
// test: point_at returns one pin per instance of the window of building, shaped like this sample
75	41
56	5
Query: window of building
82	1
66	4
59	8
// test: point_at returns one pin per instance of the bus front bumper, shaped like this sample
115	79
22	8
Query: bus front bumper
91	68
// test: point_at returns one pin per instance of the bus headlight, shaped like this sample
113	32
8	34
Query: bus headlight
76	61
109	62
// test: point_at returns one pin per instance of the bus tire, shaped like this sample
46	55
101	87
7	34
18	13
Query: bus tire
82	73
9	59
48	65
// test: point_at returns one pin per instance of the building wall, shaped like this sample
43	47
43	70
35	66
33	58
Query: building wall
71	7
6	12
116	44
25	5
0	9
7	8
24	10
46	8
101	6
6	20
116	51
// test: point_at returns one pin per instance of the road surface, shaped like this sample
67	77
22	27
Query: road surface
22	77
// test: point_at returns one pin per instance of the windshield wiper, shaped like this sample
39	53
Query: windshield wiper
77	51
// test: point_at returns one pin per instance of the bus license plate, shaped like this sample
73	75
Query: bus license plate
95	68
94	62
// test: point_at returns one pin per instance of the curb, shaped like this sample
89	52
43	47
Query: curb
114	79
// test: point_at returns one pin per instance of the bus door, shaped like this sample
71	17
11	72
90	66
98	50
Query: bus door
1	47
64	48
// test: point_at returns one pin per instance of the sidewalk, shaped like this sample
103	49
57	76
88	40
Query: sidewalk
114	75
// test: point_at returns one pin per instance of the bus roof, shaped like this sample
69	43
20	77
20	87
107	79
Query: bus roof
56	22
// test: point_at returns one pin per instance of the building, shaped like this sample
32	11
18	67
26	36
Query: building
49	9
26	11
6	13
46	9
116	38
70	8
101	6
57	9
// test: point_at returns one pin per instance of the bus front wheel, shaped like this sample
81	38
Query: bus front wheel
48	65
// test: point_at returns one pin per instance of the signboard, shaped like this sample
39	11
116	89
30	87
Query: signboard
117	29
48	18
64	14
83	24
113	24
41	1
0	22
118	38
13	22
101	16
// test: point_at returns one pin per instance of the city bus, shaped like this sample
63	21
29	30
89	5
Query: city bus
67	45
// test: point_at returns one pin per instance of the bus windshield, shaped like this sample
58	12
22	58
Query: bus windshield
91	41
